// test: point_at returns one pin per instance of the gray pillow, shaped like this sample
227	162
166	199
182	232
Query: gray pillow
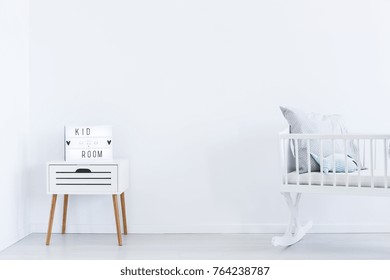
301	122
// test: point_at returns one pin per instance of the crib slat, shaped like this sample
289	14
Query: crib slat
334	163
284	160
364	152
386	155
296	160
346	163
309	160
372	163
359	167
322	162
375	154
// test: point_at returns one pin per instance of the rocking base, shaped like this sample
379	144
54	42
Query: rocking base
295	231
289	239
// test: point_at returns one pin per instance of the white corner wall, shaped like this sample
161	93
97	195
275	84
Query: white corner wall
14	110
192	89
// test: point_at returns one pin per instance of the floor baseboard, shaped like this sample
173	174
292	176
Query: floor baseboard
244	228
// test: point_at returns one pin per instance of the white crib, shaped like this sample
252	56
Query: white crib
372	152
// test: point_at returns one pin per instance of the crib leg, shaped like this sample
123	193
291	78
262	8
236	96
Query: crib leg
295	231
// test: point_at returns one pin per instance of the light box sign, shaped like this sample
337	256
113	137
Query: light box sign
88	143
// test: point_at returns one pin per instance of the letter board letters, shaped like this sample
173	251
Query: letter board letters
88	143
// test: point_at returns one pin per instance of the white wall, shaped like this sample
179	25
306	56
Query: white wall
192	89
14	94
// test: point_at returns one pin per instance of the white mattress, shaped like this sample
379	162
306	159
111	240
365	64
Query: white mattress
353	178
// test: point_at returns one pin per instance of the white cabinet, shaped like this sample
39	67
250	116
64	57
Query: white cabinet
71	178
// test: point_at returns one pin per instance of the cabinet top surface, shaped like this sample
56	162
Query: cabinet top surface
103	162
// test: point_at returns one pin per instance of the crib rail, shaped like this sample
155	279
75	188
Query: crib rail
369	150
349	136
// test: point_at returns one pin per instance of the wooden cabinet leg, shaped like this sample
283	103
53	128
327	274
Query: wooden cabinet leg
123	205
117	219
52	210
64	214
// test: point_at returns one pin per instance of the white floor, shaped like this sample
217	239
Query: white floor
199	246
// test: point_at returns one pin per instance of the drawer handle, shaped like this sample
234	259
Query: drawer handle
83	170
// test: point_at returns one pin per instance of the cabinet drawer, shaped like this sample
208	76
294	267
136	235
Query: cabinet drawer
79	179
